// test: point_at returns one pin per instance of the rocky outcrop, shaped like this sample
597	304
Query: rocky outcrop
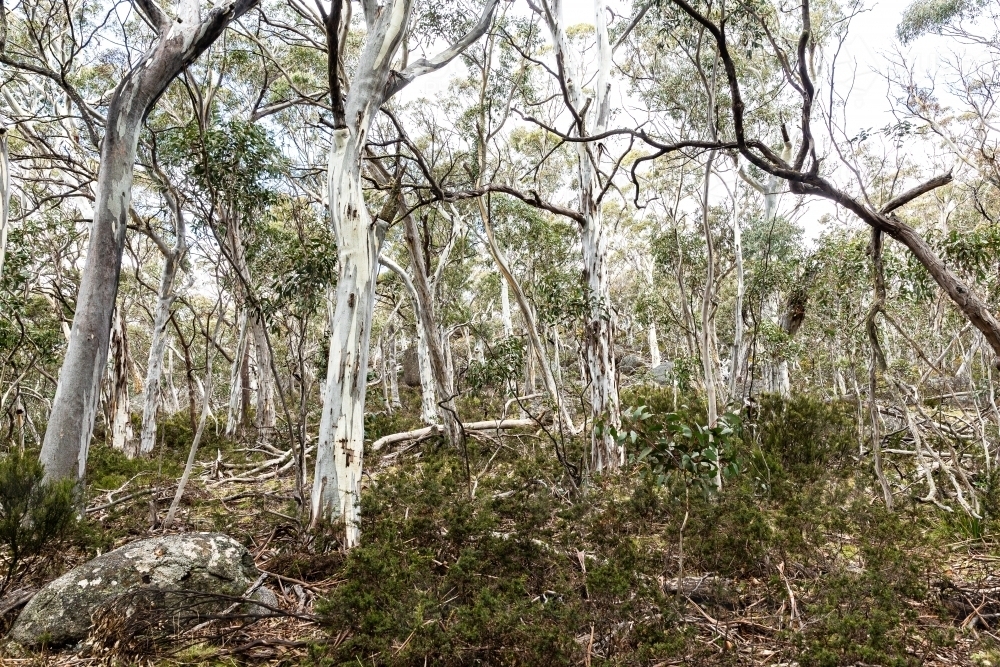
61	613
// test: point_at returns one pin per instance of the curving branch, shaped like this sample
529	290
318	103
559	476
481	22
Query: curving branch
426	66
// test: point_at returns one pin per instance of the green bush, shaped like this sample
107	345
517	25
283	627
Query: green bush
807	435
33	513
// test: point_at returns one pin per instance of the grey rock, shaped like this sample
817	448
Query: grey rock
629	364
411	368
663	374
205	562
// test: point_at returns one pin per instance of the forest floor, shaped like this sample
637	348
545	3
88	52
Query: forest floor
492	556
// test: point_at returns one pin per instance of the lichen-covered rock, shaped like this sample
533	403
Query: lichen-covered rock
205	562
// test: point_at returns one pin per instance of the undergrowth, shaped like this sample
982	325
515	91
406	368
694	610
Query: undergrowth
530	571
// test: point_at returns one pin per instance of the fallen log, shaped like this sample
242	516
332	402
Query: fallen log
493	424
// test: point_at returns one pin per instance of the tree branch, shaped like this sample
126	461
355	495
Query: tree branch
424	66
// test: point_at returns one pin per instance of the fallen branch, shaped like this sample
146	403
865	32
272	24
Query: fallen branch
495	424
137	494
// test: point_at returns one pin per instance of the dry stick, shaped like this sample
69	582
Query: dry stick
205	409
794	611
955	483
137	494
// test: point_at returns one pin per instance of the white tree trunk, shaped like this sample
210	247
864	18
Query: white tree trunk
234	410
175	400
505	319
118	395
428	396
736	380
428	393
654	346
154	368
4	196
339	449
783	381
393	371
265	418
606	453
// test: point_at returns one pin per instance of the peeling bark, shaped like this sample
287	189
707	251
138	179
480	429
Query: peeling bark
606	453
339	448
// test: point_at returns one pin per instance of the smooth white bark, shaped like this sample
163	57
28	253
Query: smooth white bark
505	319
736	380
339	449
172	258
265	417
154	368
428	402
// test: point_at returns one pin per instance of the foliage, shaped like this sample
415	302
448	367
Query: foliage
233	160
33	513
927	16
500	368
806	435
523	573
668	442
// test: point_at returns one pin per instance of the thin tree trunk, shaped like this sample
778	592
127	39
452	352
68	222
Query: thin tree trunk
877	363
505	319
529	321
736	380
4	196
707	310
435	345
171	390
428	391
154	368
236	403
119	414
393	371
266	418
206	409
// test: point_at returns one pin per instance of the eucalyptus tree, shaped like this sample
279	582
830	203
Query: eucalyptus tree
590	113
174	256
337	477
176	42
802	172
